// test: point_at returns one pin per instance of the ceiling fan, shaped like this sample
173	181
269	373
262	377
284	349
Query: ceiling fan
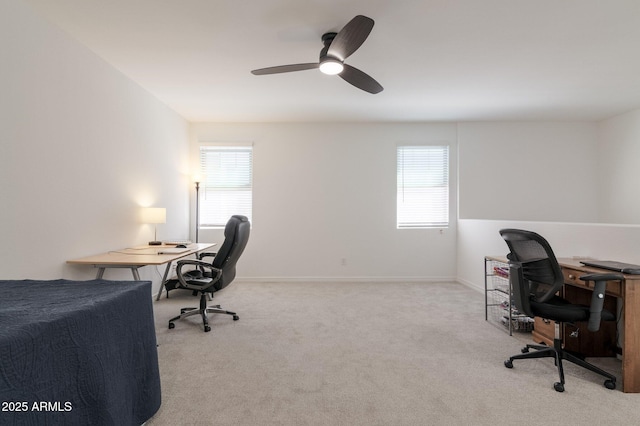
338	47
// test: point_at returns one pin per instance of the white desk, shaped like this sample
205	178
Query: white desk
134	258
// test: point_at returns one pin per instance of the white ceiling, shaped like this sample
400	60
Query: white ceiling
438	60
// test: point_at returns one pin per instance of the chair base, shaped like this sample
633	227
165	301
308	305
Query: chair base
202	311
559	354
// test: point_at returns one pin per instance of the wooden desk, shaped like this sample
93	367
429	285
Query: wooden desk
600	343
134	258
628	292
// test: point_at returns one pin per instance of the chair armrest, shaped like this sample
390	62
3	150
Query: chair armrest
197	283
519	288
203	255
597	298
194	262
206	254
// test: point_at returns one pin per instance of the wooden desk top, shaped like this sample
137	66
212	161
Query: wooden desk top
572	263
139	256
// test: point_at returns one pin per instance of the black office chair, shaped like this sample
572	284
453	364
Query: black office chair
535	278
218	274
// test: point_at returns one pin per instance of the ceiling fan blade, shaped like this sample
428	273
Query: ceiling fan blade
285	68
361	80
351	37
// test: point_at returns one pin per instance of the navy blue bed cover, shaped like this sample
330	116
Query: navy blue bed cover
77	353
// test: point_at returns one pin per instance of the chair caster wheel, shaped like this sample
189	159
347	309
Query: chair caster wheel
524	350
207	328
236	318
508	363
610	384
559	387
171	325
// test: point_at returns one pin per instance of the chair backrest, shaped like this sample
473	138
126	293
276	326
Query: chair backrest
534	273
236	235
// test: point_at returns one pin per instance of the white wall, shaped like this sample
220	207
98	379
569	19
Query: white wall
324	192
617	175
81	148
478	238
334	183
528	171
618	164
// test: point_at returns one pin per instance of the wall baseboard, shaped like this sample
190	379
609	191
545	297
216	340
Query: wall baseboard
469	284
345	279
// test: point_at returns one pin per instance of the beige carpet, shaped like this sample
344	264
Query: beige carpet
364	354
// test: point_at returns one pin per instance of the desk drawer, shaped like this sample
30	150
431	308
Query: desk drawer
544	331
572	277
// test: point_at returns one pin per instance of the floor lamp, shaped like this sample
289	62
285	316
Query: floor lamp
197	209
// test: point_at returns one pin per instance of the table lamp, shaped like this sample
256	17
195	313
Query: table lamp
154	215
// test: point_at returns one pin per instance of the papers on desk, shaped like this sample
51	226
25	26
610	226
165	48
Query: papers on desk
153	250
172	250
176	242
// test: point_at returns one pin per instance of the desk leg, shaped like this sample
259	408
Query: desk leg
136	275
631	342
134	272
164	280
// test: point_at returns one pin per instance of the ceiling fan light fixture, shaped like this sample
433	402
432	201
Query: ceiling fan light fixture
331	66
337	48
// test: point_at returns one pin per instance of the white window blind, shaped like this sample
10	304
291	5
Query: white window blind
423	186
227	188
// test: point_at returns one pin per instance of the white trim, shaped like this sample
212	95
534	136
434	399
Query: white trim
348	279
225	144
471	285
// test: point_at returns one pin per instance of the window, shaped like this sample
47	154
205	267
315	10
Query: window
227	184
423	186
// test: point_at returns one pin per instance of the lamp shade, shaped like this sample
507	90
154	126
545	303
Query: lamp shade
154	215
